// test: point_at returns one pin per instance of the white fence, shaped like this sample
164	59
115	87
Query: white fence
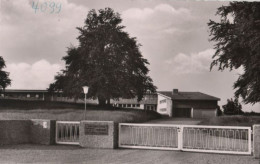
67	132
148	136
215	139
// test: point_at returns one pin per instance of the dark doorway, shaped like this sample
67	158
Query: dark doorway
183	112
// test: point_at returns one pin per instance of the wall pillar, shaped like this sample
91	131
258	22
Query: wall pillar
98	134
43	131
256	140
191	113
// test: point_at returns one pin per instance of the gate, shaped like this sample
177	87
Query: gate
149	136
67	132
197	138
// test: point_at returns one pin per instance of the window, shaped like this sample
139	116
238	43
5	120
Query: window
124	105
152	108
128	105
162	101
133	105
138	105
119	105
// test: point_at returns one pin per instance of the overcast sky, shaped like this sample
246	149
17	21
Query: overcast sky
174	37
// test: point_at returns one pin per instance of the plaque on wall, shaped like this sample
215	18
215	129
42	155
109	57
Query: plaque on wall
91	129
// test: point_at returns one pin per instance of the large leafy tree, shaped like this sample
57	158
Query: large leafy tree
4	76
237	38
107	60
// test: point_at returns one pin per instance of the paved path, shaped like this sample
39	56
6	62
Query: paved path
178	121
74	154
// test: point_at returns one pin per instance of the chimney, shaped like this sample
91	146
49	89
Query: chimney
175	91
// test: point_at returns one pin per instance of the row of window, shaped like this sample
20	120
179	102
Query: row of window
150	107
146	107
128	105
27	95
162	101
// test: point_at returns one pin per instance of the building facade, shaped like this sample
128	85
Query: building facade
171	103
187	104
149	102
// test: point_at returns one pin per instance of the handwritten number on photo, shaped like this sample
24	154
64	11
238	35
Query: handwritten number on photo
46	6
35	6
58	6
52	6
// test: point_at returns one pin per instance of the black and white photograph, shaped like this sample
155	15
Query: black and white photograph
130	81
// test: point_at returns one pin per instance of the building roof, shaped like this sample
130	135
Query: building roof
187	96
25	91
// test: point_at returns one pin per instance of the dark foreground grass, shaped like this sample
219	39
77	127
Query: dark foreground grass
237	120
19	109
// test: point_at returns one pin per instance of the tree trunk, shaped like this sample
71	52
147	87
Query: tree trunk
108	102
101	101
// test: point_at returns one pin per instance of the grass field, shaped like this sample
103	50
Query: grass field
18	109
237	120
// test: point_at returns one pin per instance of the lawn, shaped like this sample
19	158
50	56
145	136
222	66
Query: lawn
18	109
235	120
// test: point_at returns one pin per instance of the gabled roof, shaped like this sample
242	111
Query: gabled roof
187	96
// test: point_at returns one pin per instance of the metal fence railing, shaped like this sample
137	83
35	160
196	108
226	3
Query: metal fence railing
218	139
197	138
67	132
148	136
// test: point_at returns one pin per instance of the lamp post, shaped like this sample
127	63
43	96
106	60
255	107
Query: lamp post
85	89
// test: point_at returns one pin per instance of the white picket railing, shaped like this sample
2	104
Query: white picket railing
197	138
148	136
217	139
67	132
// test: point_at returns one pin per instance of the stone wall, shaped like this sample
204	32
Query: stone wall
256	141
14	131
98	134
27	131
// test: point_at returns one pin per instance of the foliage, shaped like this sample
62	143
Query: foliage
219	111
107	60
232	107
237	38
4	76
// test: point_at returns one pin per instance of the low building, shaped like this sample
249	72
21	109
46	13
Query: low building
149	102
187	104
26	94
171	103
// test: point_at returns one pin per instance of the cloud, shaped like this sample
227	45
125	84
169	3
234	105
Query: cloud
32	76
162	19
190	63
30	35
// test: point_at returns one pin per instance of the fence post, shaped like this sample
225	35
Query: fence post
256	140
180	137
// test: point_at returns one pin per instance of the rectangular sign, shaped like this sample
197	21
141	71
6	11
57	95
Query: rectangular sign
91	129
